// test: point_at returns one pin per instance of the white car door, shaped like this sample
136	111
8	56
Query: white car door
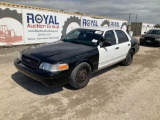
123	43
109	53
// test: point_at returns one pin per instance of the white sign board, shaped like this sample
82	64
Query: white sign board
40	26
146	27
26	26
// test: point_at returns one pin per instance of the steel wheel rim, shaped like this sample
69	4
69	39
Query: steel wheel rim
82	75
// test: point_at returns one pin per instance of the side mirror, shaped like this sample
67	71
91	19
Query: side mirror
105	44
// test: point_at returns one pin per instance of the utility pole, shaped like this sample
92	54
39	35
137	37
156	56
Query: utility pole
129	18
129	23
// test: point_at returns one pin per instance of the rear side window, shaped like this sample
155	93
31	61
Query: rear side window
110	37
122	37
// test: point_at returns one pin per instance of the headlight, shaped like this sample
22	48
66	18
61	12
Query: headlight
53	68
158	39
142	38
20	56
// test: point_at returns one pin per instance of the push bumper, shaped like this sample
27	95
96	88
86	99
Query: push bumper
47	78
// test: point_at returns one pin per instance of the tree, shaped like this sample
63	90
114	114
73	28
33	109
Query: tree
157	25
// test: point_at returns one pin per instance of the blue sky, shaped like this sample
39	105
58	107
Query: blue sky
146	10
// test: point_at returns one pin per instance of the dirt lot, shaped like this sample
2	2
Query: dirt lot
115	93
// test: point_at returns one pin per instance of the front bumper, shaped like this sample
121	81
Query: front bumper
150	42
47	78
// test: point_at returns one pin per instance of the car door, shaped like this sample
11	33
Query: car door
124	44
109	53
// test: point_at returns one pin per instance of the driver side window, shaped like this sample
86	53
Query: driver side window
73	35
110	37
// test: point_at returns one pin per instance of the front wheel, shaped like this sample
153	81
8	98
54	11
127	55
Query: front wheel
141	43
129	58
80	75
158	45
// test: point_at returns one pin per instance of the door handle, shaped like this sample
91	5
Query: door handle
117	48
128	44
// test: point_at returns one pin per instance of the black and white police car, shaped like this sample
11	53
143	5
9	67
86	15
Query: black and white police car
80	53
151	37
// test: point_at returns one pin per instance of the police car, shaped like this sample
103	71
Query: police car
76	56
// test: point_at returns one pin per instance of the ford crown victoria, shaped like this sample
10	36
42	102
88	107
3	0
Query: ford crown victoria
80	53
151	37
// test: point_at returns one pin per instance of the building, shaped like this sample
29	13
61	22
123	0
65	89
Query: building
140	28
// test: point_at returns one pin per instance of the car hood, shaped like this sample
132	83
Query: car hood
151	35
57	51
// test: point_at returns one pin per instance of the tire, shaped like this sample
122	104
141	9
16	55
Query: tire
124	24
158	45
70	20
129	58
11	13
83	71
141	43
105	22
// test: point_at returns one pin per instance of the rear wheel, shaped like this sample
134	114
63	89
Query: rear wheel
129	58
80	75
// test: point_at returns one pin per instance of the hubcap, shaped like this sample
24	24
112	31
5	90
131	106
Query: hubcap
82	75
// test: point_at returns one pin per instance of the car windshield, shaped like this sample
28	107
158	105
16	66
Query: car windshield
84	36
154	32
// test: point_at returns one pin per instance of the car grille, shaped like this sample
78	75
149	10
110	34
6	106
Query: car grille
30	62
149	38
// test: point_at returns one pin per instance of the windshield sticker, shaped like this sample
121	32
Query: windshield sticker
98	32
94	40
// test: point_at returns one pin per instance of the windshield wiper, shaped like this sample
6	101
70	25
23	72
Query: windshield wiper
66	40
76	42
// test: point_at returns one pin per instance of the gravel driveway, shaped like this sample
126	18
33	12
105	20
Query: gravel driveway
115	93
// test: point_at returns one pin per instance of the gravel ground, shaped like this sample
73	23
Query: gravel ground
115	93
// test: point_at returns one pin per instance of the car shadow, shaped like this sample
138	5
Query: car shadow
40	89
105	70
34	86
96	74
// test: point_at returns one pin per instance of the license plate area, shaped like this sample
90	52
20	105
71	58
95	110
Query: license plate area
148	41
